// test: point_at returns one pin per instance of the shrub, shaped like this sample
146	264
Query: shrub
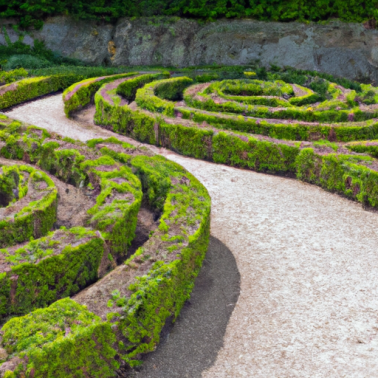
26	61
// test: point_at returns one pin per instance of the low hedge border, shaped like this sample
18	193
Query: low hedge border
295	131
353	176
168	89
117	197
30	88
252	92
305	99
121	119
366	147
74	163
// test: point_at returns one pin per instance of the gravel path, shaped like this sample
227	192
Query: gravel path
308	261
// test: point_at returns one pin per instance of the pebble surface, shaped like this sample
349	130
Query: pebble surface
308	262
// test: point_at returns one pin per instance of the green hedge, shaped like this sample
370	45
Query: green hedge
199	142
122	120
30	88
66	338
115	219
252	92
159	95
189	132
369	147
204	101
249	152
289	131
246	151
63	340
80	94
49	268
349	175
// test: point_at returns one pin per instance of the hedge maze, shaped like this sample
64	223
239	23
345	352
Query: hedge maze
101	241
86	285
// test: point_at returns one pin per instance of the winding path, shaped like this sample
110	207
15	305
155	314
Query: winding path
308	262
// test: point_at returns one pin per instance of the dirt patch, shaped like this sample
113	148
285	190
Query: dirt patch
148	221
8	88
108	87
73	205
85	115
299	92
36	191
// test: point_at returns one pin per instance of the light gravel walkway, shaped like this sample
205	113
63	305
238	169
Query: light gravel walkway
308	260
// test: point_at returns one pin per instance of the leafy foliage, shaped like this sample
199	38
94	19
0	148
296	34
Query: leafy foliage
32	12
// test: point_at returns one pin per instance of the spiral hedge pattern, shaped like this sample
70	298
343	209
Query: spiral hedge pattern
68	215
303	125
319	131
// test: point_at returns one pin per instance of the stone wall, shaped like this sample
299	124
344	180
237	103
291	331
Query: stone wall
342	49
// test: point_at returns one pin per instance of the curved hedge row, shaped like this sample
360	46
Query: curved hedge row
80	94
108	325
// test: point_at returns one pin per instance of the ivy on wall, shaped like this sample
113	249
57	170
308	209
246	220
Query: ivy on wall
32	12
